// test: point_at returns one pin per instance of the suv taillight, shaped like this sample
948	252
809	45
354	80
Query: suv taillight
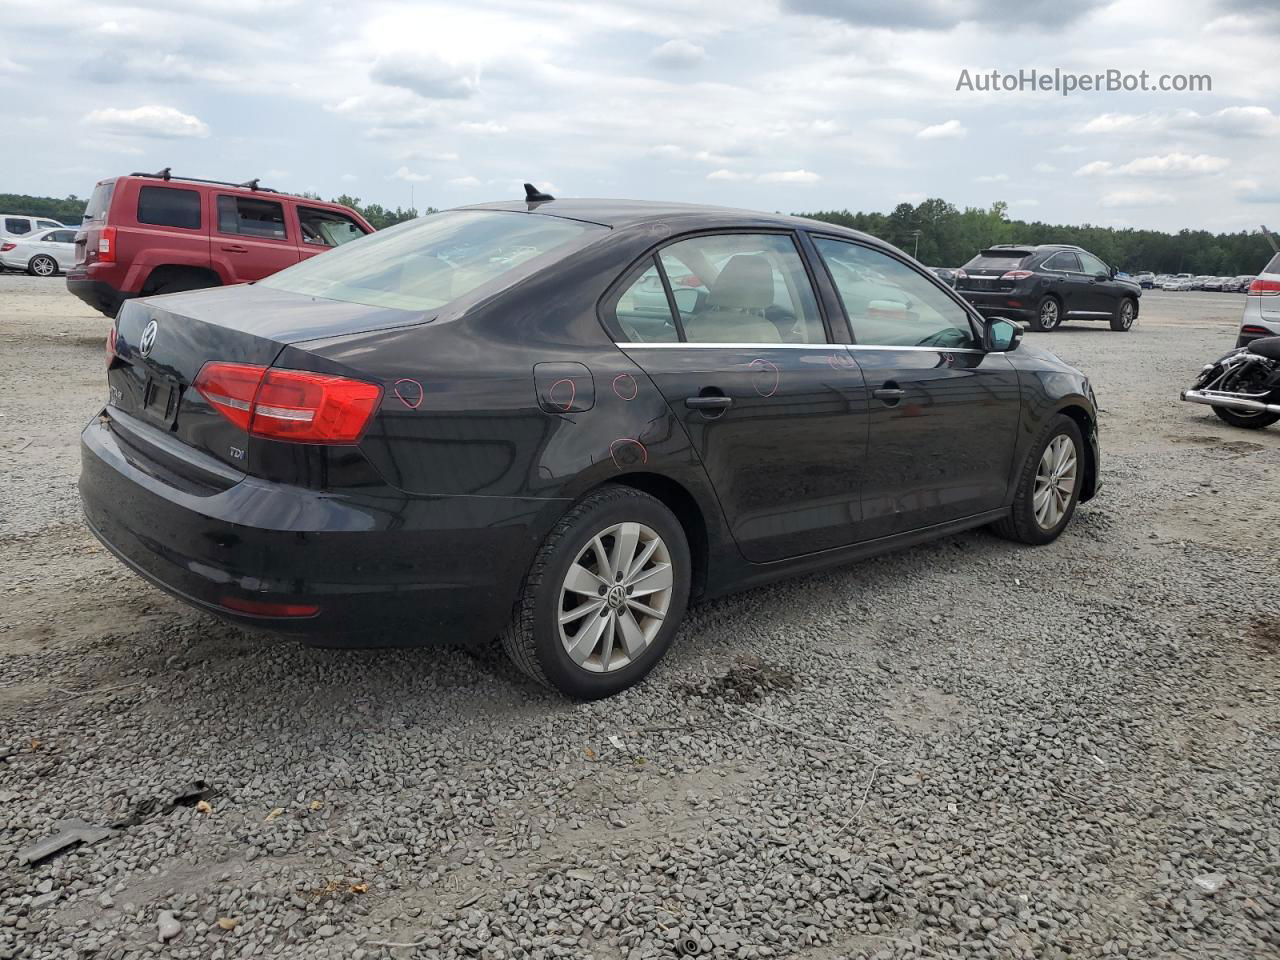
289	404
107	245
1264	288
1016	275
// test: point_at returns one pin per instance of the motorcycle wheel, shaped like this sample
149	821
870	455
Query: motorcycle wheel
1249	420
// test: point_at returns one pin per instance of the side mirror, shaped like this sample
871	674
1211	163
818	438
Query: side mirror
1103	276
1113	273
1001	336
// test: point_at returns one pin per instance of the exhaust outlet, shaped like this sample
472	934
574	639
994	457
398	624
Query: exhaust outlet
1213	399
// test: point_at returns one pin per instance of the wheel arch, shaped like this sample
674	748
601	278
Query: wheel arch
1088	430
57	268
677	498
165	272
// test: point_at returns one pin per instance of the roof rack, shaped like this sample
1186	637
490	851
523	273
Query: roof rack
167	174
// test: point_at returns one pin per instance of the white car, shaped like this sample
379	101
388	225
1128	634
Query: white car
18	225
41	254
1178	283
1262	305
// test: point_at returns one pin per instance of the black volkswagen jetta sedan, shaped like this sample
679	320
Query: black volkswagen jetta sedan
559	421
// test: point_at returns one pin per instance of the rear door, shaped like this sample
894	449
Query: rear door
943	413
1063	272
728	328
250	237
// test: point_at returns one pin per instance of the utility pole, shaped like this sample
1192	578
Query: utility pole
916	249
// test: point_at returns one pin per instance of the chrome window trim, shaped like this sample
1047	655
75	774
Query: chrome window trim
825	347
1088	313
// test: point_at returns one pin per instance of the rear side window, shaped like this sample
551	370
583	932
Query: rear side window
62	236
251	217
47	224
99	202
327	228
642	312
169	207
426	263
18	226
1065	261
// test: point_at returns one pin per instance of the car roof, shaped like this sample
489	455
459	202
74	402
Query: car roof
620	214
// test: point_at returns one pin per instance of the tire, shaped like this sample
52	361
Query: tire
1246	420
539	643
1048	315
1023	525
43	265
1126	313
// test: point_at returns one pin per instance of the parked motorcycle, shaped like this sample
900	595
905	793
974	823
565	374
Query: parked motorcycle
1243	387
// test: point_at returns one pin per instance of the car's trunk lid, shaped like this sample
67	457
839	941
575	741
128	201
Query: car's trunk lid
984	272
161	344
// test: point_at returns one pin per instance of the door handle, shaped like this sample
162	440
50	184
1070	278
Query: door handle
889	394
235	248
708	403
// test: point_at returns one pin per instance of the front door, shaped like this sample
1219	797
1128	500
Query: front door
943	413
250	238
1103	292
776	413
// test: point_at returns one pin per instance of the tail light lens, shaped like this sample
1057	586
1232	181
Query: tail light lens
1264	288
107	245
262	608
1016	275
289	404
6	247
1254	330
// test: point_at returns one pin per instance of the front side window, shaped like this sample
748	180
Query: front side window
17	226
742	288
1092	265
169	207
327	228
891	304
1064	262
251	217
424	264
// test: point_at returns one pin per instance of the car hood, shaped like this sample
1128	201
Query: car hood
283	316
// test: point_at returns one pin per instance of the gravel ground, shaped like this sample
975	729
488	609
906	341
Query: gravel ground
968	749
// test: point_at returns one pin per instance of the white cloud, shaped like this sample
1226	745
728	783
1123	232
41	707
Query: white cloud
425	75
951	129
404	173
728	175
678	52
151	120
992	178
789	176
1169	165
1136	198
484	126
348	178
1232	122
465	182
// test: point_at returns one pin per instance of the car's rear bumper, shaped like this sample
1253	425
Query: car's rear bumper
1000	304
381	568
99	294
1256	324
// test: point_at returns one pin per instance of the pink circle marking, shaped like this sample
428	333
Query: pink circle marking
622	379
573	394
613	450
761	365
412	404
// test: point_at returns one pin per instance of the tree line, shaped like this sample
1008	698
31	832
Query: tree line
937	232
949	237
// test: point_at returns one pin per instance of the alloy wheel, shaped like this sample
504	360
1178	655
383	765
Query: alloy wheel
1055	481
43	266
1049	314
615	597
1126	314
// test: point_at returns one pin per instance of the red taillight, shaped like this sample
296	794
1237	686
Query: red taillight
1013	303
1264	288
111	346
263	608
6	247
289	404
1254	330
1016	275
107	245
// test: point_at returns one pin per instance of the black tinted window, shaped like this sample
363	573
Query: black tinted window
169	207
1066	261
251	217
17	225
996	261
62	236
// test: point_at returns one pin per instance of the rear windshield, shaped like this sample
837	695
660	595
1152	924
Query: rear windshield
96	208
1273	266
997	260
426	263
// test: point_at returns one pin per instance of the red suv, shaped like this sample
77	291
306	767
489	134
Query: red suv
156	233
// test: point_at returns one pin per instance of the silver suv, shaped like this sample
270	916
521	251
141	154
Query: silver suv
1262	305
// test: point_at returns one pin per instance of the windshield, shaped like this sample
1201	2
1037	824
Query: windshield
431	261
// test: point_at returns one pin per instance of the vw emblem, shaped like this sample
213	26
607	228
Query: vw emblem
148	338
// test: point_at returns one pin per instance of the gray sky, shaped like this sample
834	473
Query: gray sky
784	105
